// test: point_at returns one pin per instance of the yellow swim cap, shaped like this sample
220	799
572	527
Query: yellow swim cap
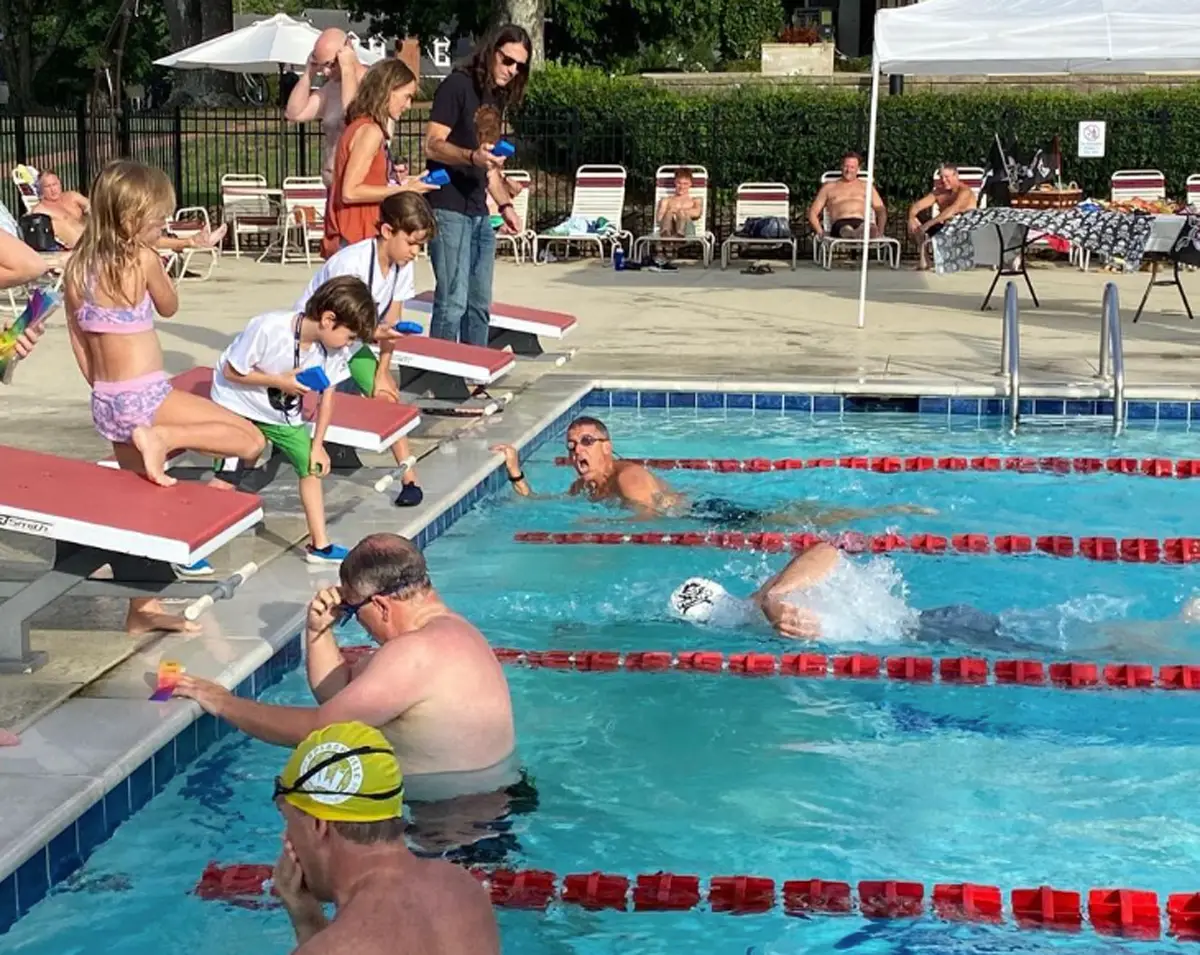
346	772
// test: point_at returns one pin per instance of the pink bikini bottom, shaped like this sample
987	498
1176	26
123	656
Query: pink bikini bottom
118	407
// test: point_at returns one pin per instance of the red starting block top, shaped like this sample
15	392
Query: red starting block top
515	318
84	503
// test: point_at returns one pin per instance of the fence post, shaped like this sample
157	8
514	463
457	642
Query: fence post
1164	135
19	135
123	143
177	137
81	147
303	142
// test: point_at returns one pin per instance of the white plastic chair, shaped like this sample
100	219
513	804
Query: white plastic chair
188	222
599	193
304	200
521	241
759	200
1193	191
25	179
664	186
249	208
886	248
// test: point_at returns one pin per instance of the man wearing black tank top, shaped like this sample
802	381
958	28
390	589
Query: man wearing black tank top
463	250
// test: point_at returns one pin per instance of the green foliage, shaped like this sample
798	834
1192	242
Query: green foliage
795	134
745	24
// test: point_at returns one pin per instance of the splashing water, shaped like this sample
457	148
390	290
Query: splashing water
860	602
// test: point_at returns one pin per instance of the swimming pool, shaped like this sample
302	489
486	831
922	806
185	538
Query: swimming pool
785	778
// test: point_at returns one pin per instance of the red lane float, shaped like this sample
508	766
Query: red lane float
1134	467
1111	911
974	671
1133	550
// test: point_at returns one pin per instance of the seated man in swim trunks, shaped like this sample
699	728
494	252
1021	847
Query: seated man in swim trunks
433	687
603	477
951	196
824	595
844	198
341	795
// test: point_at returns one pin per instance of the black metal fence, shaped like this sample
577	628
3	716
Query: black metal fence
197	147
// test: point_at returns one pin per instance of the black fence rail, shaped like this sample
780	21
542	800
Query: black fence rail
198	147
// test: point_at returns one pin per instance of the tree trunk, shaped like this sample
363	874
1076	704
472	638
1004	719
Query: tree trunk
190	22
530	14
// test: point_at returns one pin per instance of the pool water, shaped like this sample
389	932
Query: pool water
781	777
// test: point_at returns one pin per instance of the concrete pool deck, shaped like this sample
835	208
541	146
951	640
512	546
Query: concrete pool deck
85	719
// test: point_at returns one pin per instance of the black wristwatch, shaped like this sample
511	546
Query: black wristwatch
517	478
507	205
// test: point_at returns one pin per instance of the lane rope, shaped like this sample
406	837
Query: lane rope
970	671
1110	911
1134	550
1132	467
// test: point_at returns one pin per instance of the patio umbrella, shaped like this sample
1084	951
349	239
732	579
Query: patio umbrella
262	47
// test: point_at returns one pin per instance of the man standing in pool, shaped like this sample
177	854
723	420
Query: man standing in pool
604	477
341	795
433	687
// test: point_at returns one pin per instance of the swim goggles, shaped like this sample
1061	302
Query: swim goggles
297	786
587	441
347	611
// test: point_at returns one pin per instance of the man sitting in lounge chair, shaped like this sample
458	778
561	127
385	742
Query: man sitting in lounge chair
844	200
951	196
676	217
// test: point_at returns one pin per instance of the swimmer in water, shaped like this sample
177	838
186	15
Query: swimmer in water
823	595
603	477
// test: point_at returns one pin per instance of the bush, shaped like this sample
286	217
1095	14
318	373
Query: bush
794	134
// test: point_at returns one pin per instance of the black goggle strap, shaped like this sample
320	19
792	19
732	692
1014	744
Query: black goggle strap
312	771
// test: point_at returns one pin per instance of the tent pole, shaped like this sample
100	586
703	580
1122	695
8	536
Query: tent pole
866	240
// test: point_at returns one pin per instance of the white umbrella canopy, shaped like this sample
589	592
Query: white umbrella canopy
262	47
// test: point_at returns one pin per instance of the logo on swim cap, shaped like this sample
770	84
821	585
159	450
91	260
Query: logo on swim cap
337	782
696	598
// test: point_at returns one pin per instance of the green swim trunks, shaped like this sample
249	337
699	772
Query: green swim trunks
294	441
363	366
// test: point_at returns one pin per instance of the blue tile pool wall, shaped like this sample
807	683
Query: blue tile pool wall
67	851
1181	411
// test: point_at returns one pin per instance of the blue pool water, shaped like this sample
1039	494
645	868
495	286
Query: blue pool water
788	778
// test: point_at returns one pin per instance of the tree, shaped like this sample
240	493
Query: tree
26	26
190	22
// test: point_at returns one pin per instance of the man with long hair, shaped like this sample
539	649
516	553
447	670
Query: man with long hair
463	251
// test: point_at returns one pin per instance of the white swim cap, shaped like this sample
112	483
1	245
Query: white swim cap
697	598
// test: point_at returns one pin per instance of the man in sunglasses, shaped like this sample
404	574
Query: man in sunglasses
604	477
341	795
336	62
433	687
463	249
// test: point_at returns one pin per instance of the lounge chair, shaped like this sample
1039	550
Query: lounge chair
759	200
515	326
25	178
886	248
303	217
250	208
599	194
664	186
1193	192
520	242
99	516
188	222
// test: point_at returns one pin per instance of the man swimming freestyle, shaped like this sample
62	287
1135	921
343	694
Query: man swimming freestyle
434	688
822	594
341	795
603	477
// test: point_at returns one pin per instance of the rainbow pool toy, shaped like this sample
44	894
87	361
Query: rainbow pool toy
169	673
41	305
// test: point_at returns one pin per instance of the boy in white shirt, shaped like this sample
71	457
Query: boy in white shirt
257	379
385	264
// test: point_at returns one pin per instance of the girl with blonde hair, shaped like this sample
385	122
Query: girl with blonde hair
114	283
363	175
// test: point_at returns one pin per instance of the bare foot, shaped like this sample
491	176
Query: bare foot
221	485
154	455
210	240
9	739
150	616
915	509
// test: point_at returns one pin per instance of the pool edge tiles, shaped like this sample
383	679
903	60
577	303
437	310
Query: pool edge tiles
871	399
76	825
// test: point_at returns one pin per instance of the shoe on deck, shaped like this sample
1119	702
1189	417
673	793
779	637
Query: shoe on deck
201	568
333	554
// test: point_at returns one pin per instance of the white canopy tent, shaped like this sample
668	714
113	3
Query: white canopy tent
261	47
996	37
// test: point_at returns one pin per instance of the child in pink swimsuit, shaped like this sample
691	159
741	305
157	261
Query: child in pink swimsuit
114	283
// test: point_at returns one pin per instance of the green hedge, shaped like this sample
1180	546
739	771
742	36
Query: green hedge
574	116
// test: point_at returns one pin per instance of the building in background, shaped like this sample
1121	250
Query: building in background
851	21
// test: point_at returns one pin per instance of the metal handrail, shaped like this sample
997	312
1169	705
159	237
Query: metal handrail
1112	350
1010	352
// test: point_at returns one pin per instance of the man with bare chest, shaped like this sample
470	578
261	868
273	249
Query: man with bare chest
602	477
844	199
67	210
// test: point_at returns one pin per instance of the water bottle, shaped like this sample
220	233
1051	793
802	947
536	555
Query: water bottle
619	258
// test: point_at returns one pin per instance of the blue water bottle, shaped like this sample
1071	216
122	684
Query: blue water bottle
619	258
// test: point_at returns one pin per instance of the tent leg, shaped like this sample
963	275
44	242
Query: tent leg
866	240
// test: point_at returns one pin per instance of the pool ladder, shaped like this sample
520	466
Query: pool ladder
1112	353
